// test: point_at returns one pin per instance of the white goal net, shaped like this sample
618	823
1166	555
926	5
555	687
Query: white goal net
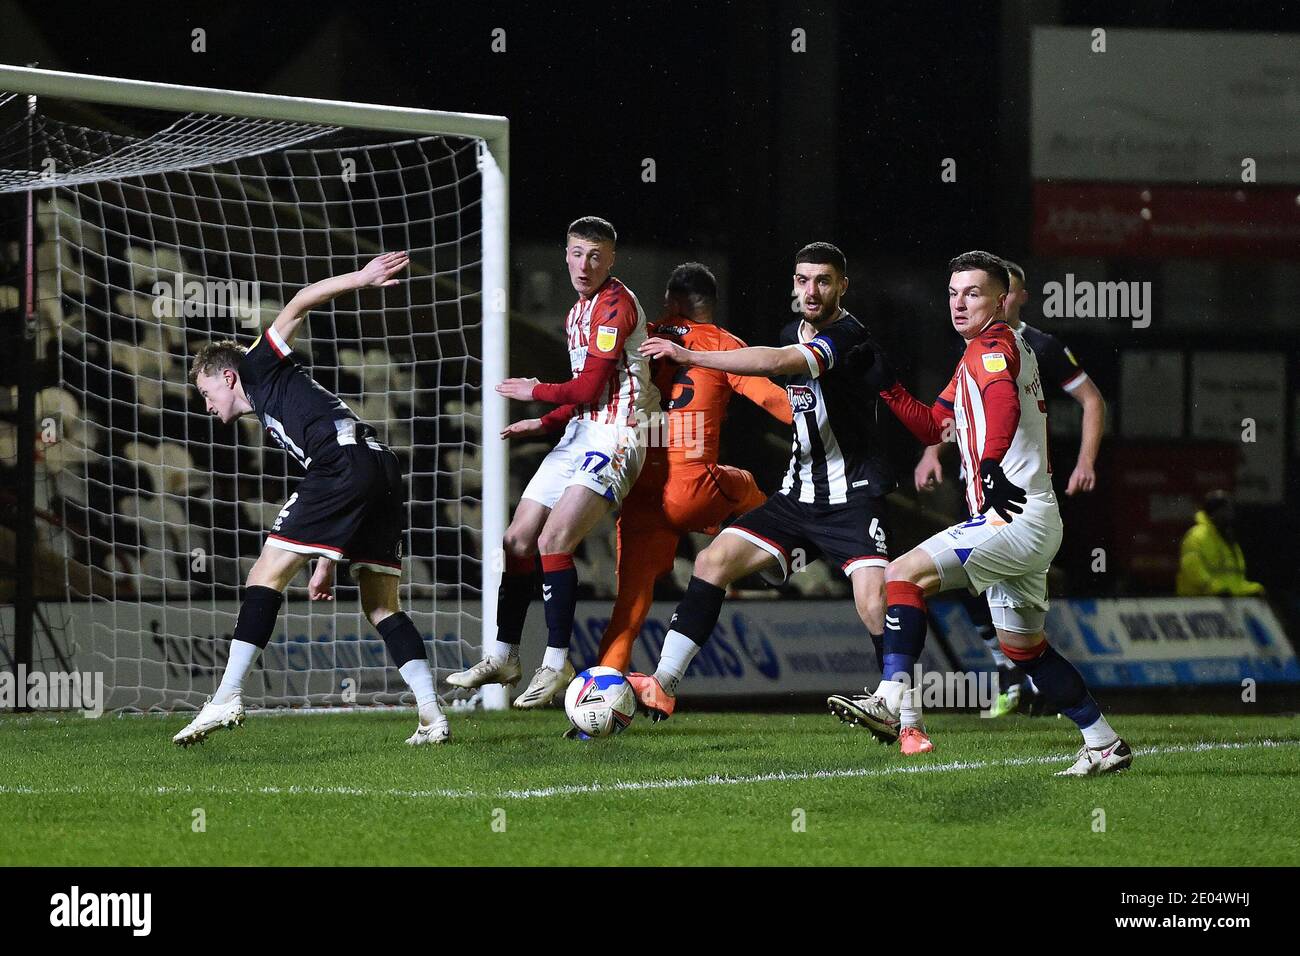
150	234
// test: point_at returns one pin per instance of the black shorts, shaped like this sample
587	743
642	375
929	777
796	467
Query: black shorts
351	508
852	535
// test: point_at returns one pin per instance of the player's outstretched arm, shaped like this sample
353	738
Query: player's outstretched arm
583	388
378	272
765	394
752	360
1084	476
925	422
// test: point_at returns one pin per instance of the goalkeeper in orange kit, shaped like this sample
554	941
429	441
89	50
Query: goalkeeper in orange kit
682	488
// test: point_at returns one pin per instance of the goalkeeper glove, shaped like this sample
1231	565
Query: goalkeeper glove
1000	495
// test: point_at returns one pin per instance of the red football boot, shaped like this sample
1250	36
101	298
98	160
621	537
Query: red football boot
651	697
914	740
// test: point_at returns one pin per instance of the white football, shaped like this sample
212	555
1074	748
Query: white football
600	702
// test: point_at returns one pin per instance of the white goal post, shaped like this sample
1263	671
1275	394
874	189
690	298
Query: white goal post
492	135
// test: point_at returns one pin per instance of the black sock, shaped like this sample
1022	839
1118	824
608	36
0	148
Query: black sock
697	613
518	587
878	644
402	639
560	597
257	613
977	608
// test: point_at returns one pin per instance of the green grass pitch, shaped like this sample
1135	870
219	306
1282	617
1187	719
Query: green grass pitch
700	789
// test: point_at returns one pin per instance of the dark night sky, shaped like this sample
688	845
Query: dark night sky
591	91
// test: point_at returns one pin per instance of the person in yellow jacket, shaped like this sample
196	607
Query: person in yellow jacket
1211	561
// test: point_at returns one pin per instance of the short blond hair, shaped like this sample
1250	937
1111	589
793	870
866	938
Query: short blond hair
215	356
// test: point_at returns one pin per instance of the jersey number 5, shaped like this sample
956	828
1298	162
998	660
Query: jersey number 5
687	392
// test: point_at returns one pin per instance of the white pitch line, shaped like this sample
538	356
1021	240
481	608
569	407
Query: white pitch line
622	786
857	772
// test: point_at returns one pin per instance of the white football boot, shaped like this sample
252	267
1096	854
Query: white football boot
866	710
546	683
1091	763
211	717
436	732
490	670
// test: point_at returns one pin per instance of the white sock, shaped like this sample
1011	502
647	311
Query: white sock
679	650
503	651
240	662
555	657
419	677
909	712
1099	734
892	691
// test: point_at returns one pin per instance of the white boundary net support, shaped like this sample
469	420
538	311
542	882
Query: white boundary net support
150	244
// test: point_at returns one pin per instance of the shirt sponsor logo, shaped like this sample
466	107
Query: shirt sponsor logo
606	337
994	361
802	397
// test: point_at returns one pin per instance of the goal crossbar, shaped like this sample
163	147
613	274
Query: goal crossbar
200	99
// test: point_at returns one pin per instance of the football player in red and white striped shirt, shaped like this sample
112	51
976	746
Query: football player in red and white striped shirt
1059	369
995	403
603	411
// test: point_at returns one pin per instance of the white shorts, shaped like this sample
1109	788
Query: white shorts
1009	561
604	458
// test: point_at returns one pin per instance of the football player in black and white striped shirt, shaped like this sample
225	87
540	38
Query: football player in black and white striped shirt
831	504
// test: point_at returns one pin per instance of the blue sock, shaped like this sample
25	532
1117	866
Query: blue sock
560	596
905	627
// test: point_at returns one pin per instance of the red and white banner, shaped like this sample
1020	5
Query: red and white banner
1106	219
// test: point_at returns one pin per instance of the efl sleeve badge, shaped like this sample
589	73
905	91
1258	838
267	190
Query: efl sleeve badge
994	361
606	338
